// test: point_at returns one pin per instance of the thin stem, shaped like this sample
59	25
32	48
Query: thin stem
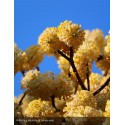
87	75
23	73
102	86
38	68
76	89
21	100
77	75
71	53
69	74
62	54
53	103
73	66
99	58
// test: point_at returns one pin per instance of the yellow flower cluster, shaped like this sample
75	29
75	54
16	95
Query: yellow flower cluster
88	52
64	87
97	37
46	85
39	85
81	115
83	111
34	57
60	103
95	81
87	34
38	108
104	95
19	59
104	64
82	98
27	60
71	34
66	35
107	47
50	43
107	109
32	79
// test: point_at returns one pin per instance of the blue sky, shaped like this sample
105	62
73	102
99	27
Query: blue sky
31	17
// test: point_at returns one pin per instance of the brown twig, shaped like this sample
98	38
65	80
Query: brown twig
23	73
102	86
76	89
87	76
21	100
62	54
38	69
69	74
99	58
71	61
53	103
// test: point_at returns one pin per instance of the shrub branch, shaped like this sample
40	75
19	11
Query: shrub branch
21	100
87	76
53	103
71	61
102	86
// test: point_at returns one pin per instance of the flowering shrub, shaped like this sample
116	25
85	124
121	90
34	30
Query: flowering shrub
76	94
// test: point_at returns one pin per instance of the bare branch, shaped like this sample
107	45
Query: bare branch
38	68
87	76
21	100
73	67
53	103
23	73
62	54
99	58
71	53
76	89
102	86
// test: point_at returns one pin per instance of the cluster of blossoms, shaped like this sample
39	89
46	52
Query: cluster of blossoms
27	60
19	59
94	81
71	34
38	108
46	85
49	41
77	93
83	58
104	64
84	106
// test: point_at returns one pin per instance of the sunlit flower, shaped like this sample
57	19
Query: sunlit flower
98	38
50	43
64	86
71	34
20	59
34	57
38	108
82	98
95	81
39	85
